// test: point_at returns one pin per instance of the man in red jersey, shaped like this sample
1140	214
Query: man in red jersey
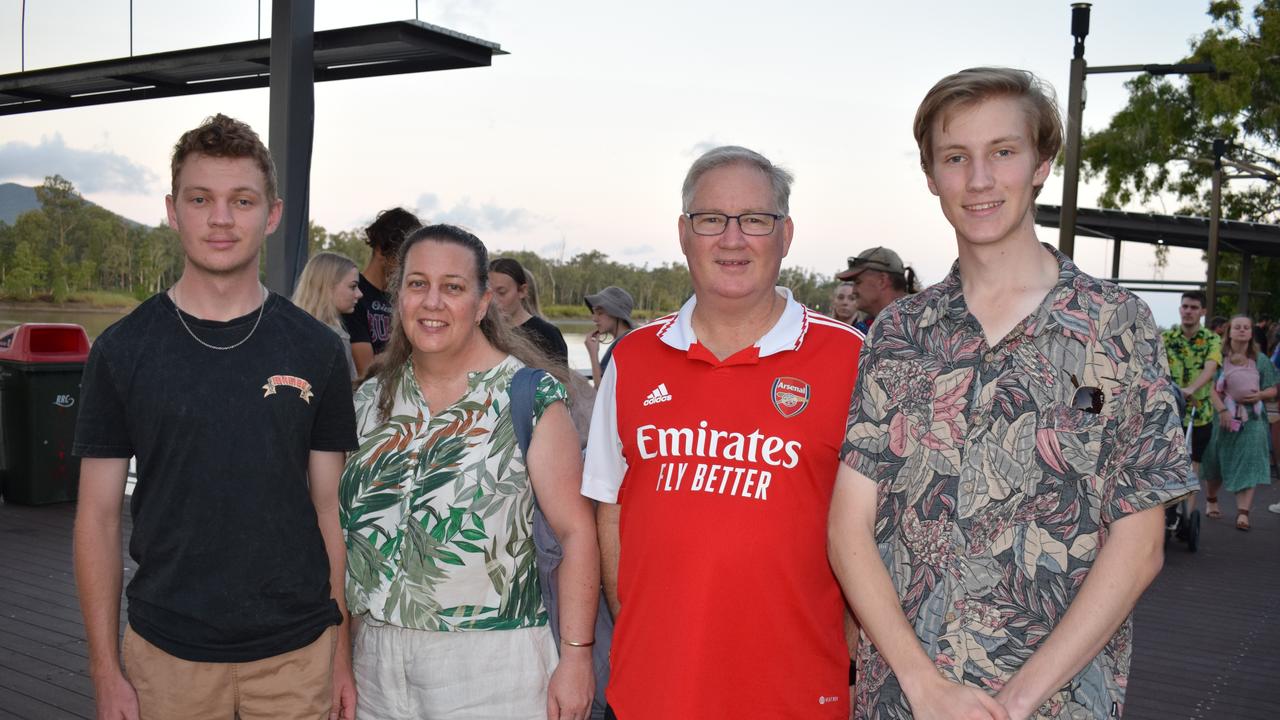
714	447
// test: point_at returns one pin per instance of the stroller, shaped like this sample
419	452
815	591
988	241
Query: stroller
1179	524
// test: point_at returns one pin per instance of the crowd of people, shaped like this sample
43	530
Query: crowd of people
935	503
1228	374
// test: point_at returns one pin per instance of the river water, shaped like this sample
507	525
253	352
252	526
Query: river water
95	321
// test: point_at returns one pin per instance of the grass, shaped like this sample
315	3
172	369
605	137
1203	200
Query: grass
99	299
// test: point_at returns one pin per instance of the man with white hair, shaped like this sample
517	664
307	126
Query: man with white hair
713	453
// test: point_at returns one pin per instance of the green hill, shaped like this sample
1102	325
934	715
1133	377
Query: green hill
16	199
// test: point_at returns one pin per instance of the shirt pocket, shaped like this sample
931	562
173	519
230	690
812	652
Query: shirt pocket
1069	440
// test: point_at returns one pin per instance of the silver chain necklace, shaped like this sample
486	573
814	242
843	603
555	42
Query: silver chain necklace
173	295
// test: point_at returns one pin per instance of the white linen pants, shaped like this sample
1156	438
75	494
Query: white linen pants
404	674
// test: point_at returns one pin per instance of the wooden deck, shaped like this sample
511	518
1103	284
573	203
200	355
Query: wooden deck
1207	639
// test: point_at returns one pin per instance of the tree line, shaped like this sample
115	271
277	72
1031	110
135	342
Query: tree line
562	284
68	246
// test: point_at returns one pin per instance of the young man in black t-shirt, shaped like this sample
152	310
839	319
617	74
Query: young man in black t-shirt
369	325
238	408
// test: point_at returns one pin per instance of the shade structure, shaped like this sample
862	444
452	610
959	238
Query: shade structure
406	46
1187	231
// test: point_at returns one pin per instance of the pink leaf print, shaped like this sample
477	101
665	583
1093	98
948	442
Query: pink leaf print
1049	450
898	430
949	404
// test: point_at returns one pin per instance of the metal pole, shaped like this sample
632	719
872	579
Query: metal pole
1246	272
1115	259
1071	165
1075	109
292	119
1215	210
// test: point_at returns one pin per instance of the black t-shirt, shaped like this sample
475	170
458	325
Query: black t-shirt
231	563
371	320
547	337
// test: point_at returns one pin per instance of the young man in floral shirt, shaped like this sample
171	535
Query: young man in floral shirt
1195	354
1011	442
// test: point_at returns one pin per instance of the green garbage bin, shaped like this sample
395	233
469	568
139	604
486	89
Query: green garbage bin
40	369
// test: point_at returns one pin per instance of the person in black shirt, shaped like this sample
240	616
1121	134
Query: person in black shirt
237	406
516	297
369	325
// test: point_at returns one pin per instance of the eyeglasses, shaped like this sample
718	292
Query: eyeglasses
748	223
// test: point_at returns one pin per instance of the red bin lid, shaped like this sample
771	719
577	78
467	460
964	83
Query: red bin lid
44	343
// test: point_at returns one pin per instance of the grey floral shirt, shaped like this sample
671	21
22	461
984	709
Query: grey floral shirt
1000	470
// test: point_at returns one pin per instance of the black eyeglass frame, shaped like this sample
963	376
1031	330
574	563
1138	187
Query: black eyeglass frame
693	222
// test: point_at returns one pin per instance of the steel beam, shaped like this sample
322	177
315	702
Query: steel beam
292	115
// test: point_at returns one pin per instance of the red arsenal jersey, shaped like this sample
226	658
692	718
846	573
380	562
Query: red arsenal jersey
724	471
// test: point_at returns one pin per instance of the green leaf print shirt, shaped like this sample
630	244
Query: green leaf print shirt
437	511
1187	359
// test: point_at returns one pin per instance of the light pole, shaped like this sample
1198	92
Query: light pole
1075	109
1215	215
1245	171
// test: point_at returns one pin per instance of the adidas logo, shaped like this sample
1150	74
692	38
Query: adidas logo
658	395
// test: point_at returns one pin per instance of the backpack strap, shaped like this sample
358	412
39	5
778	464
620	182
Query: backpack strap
547	549
524	387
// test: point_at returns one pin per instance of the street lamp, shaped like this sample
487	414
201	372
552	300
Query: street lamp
1075	109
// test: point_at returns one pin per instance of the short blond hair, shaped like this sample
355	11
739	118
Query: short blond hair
975	85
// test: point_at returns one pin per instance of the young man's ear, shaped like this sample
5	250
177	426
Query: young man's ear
274	215
1042	173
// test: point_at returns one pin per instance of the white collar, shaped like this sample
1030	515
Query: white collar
786	334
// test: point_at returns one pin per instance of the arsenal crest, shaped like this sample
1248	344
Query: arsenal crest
790	396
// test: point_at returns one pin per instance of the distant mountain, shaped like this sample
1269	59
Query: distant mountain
16	199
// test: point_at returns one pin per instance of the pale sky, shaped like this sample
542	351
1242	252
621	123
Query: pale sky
579	139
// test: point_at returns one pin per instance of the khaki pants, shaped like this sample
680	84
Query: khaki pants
297	685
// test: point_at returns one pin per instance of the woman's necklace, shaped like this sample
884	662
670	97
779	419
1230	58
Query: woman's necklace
173	295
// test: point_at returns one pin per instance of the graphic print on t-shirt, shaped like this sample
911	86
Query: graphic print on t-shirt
304	387
379	315
744	474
